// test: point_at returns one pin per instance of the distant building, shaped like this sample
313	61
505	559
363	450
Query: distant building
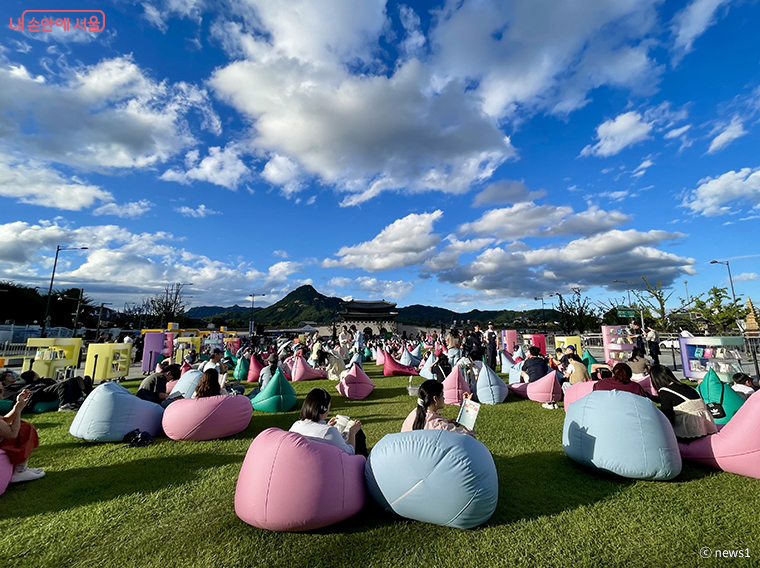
371	318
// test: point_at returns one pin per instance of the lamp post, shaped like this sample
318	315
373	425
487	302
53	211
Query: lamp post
628	289
730	279
252	325
543	310
79	307
100	315
58	249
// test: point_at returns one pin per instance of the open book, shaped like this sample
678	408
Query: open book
468	413
343	424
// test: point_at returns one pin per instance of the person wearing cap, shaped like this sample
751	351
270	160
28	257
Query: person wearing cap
491	339
569	350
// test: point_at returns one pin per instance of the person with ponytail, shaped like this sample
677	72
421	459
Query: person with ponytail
313	425
620	380
425	416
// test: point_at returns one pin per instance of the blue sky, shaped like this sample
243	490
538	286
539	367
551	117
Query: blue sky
465	154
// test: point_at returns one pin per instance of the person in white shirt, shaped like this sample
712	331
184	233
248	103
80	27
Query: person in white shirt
313	425
216	363
743	385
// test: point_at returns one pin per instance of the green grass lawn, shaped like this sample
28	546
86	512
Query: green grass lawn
171	504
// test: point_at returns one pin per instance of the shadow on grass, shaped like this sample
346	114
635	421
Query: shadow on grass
62	490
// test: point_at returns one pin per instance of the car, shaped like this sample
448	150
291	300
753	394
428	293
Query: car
670	344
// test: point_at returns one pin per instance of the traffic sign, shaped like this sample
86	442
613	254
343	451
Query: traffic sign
623	313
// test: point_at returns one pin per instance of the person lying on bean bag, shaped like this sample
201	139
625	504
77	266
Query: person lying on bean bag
18	440
425	416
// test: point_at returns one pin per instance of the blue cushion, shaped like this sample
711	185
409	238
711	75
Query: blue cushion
622	433
187	383
489	387
407	360
357	358
506	364
434	476
417	352
426	371
515	372
111	411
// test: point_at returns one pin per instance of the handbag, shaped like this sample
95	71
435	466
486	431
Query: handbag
716	408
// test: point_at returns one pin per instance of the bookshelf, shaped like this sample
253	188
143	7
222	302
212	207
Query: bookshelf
617	344
534	339
562	341
722	354
184	346
54	354
509	340
106	361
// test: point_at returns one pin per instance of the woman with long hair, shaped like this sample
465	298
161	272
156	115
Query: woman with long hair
425	415
313	424
208	385
682	405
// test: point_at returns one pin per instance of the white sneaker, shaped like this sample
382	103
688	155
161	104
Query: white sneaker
550	405
28	474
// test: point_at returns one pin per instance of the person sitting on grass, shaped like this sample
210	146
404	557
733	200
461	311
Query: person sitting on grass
638	363
425	416
18	439
743	385
153	387
312	424
209	385
682	405
620	380
534	367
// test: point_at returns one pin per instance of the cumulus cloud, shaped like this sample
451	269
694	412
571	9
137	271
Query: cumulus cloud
221	167
33	182
198	212
158	12
615	135
130	210
691	22
728	134
506	191
713	196
385	289
746	277
405	242
530	220
589	261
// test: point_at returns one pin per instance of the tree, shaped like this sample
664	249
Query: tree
719	310
577	313
169	306
654	299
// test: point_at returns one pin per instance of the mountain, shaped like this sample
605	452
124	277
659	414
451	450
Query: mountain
306	304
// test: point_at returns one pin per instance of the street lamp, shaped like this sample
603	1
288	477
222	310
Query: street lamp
100	315
543	310
79	307
58	249
730	279
252	326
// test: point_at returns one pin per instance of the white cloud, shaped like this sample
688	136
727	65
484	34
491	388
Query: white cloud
405	242
198	212
691	22
676	132
280	253
642	168
506	191
33	182
617	134
385	289
157	16
529	220
414	40
730	133
221	167
746	277
712	196
130	210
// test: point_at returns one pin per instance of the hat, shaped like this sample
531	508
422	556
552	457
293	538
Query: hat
570	347
490	323
272	358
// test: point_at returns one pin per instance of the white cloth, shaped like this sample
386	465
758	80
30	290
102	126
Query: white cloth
128	339
744	391
322	432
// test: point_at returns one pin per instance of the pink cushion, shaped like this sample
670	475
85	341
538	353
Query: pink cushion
6	471
393	367
379	357
291	483
207	418
355	384
170	385
545	389
254	370
302	371
646	384
736	447
455	386
184	368
577	391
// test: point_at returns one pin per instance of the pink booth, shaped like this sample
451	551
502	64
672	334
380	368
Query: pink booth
545	389
536	340
291	483
207	418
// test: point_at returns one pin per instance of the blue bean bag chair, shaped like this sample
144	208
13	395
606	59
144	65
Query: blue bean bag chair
426	370
356	359
417	352
514	373
110	412
712	389
187	383
407	360
621	433
506	363
489	387
434	476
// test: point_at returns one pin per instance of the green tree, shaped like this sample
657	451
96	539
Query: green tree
719	310
653	299
577	313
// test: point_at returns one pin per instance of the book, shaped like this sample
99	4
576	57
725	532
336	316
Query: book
708	351
343	424
699	352
468	413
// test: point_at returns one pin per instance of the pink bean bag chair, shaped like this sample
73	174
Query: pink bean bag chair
287	367
455	386
302	371
379	357
184	368
545	389
736	447
291	483
393	367
254	370
6	471
355	384
207	418
577	391
646	384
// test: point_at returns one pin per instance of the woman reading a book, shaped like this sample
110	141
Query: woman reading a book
208	385
313	425
682	405
425	416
